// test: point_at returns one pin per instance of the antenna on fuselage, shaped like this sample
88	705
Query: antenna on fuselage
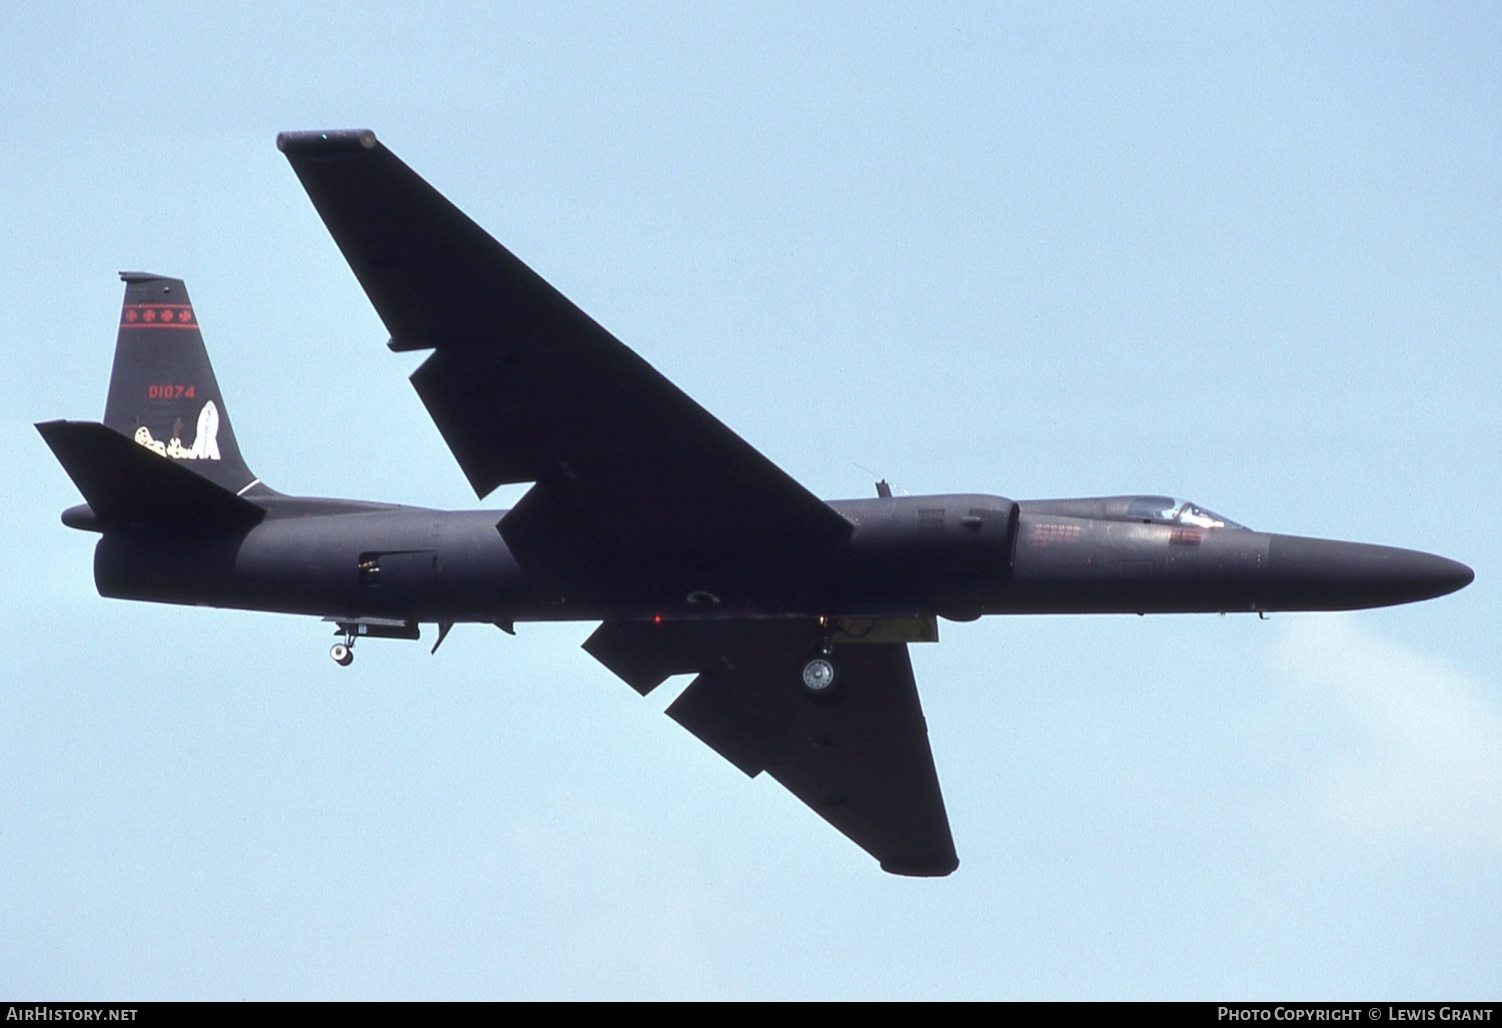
883	487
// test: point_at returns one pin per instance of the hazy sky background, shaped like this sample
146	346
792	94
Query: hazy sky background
1245	254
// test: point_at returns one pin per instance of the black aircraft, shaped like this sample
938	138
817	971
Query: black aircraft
698	554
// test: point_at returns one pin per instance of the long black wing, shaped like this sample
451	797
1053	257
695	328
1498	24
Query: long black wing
860	759
525	387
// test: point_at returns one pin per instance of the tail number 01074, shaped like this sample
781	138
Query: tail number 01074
169	392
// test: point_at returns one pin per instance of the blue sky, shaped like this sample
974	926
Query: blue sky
1246	255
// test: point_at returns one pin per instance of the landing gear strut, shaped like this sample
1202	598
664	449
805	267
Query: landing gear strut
343	653
819	674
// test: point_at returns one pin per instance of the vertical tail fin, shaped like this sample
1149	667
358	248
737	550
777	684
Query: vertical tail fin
163	393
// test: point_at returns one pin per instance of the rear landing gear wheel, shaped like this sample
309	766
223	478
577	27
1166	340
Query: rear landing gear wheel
342	654
819	678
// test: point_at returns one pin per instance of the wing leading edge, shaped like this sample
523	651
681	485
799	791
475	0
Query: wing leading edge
862	761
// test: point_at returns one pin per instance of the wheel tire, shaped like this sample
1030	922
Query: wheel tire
342	654
820	678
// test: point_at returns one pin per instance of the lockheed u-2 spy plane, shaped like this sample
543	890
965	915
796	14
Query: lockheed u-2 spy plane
697	554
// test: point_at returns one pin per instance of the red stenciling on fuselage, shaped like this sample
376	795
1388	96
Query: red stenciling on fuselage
1048	534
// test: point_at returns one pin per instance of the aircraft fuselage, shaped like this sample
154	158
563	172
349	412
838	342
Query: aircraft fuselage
959	556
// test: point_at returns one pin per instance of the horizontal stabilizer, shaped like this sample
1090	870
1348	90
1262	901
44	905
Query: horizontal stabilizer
128	485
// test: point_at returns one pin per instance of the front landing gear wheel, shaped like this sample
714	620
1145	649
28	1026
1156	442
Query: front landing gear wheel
342	654
819	677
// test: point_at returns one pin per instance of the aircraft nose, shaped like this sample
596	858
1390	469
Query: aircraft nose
1324	574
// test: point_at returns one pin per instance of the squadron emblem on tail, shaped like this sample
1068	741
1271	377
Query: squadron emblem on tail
205	444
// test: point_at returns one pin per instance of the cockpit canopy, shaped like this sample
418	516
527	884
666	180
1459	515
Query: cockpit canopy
1167	510
1159	510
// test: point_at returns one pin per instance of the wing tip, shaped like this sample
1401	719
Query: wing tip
922	869
331	143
